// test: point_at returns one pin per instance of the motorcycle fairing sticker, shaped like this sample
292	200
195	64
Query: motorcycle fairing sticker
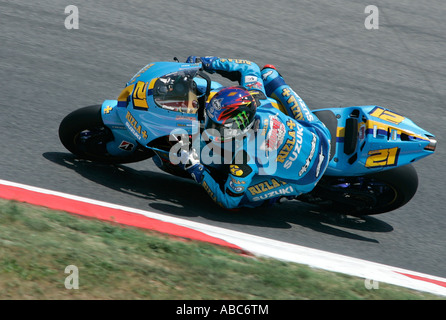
378	128
133	125
265	186
383	158
386	115
126	146
139	92
139	96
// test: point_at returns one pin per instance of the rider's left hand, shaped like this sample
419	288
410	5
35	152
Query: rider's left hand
206	61
193	59
190	162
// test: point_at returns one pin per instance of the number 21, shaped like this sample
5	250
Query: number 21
382	158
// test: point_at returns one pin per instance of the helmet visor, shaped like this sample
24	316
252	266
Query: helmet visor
224	132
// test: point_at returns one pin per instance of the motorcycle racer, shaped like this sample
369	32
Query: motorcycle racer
273	154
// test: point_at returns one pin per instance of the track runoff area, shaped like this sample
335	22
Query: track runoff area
373	273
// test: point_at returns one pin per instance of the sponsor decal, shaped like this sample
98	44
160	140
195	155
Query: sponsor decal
295	132
249	79
265	186
267	74
275	133
127	146
107	109
275	193
238	61
310	157
134	127
361	134
235	170
297	105
321	159
185	118
235	187
235	181
254	85
210	193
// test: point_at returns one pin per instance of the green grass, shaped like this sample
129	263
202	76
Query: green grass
117	262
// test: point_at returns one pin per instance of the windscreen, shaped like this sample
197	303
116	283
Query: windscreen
177	91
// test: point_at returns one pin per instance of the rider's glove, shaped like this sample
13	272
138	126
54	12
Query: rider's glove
190	162
206	61
189	159
193	59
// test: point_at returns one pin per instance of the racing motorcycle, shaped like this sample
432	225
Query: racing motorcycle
372	147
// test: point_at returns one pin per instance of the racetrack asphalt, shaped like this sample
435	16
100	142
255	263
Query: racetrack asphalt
322	49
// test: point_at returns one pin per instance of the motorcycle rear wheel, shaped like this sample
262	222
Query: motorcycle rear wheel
366	195
84	134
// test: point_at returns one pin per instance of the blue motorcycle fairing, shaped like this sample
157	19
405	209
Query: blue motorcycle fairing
123	143
373	138
132	123
158	69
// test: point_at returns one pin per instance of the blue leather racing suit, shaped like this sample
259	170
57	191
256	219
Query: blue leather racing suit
285	156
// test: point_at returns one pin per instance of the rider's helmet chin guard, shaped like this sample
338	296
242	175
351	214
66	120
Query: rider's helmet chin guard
230	114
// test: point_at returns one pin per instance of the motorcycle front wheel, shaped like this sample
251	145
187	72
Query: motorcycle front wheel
84	134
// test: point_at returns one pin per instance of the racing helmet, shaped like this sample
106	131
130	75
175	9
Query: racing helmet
230	113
